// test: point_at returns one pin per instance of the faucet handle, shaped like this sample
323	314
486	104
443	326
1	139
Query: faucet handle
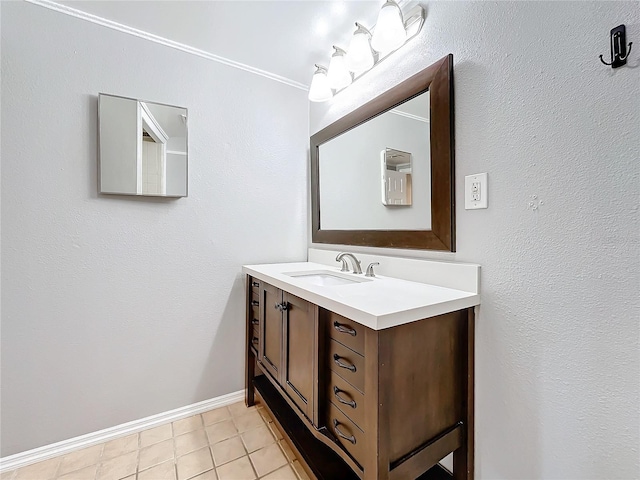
345	265
370	269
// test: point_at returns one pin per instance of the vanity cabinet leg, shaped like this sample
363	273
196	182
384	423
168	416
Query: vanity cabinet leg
463	458
249	396
463	464
250	358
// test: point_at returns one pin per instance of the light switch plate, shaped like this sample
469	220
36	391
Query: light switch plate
475	191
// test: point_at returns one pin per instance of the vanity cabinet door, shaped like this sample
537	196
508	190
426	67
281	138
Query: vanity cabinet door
271	322
300	338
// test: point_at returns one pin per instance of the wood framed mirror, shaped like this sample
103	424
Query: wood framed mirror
362	195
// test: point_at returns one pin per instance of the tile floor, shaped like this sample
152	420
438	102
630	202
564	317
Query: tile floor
228	443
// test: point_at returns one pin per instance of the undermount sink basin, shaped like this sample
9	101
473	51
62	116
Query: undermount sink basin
325	278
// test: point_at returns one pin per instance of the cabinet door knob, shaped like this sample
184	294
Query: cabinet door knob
336	360
254	340
255	284
255	321
344	329
282	306
351	439
255	303
336	391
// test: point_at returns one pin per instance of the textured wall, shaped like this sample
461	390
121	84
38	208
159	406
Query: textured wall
115	308
558	367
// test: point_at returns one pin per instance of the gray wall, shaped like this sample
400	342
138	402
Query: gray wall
558	354
116	308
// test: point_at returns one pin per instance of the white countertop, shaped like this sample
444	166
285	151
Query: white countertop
383	302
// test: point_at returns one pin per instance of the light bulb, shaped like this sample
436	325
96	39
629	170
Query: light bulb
320	91
338	75
360	57
389	33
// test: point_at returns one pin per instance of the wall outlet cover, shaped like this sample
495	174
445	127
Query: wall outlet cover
476	194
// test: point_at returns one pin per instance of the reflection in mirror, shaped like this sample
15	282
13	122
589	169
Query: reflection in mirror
351	180
143	147
396	177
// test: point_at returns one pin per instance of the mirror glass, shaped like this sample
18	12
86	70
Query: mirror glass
377	176
143	147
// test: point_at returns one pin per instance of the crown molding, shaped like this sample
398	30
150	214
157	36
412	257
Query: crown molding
73	12
409	115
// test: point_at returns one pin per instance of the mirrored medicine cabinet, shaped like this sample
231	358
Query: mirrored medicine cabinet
143	148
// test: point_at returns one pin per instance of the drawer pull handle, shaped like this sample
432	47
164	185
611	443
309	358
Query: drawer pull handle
254	340
336	360
336	391
255	284
255	303
344	329
255	321
351	439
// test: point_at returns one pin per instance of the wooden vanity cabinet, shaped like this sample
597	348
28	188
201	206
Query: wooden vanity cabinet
300	326
253	316
373	404
270	351
287	329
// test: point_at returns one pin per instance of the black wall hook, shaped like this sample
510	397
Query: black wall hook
619	52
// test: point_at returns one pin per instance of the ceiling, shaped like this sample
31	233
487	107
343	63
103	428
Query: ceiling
281	37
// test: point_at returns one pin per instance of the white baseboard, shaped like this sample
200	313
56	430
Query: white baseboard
39	454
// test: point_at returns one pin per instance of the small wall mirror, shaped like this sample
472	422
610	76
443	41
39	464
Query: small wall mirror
396	169
143	147
382	176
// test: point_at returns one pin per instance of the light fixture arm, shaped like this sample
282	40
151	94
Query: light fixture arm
414	18
338	51
362	29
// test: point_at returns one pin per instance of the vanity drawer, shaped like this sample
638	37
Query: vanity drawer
347	364
346	331
347	398
347	434
254	313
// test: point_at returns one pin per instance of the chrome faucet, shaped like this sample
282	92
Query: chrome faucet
355	263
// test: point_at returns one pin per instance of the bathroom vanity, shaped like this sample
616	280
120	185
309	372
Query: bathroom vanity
368	378
372	377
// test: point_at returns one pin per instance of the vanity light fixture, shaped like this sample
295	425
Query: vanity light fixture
360	56
390	33
320	91
338	75
366	50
